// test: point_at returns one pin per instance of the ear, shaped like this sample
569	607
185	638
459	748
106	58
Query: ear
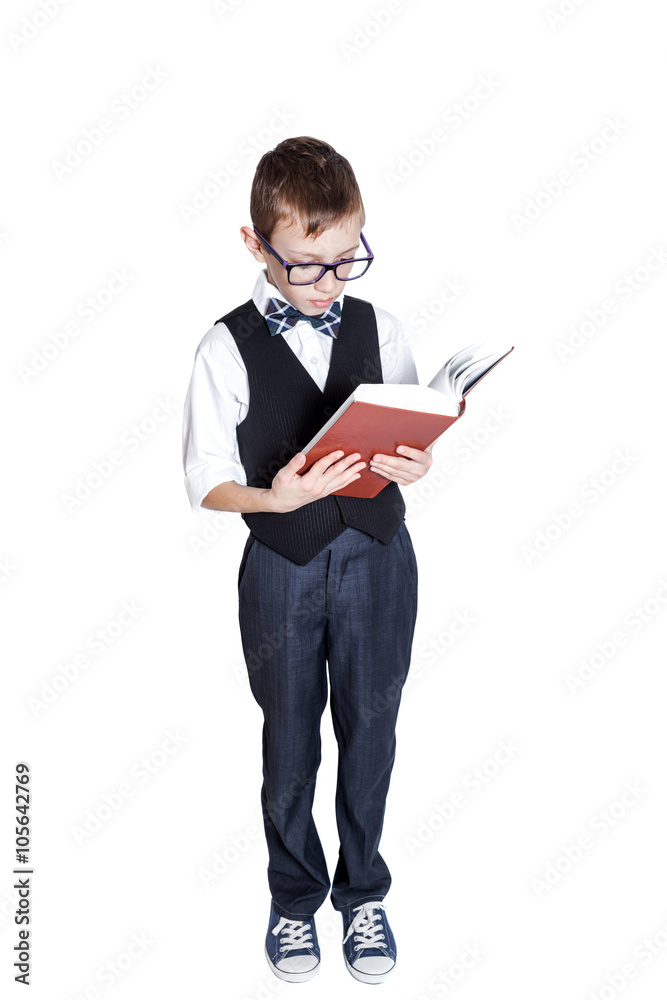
253	244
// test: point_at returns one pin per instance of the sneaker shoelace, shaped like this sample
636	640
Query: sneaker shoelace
366	934
295	934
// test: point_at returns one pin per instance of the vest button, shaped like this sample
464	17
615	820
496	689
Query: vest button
328	410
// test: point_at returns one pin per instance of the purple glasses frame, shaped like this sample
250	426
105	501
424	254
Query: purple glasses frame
325	267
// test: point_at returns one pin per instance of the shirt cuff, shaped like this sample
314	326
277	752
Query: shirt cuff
200	481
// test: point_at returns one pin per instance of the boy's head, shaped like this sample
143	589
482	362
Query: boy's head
305	202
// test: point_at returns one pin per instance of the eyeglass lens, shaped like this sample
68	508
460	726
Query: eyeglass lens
304	274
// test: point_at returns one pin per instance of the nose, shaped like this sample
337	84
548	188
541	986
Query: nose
326	285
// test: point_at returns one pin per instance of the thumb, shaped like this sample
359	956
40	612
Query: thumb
295	463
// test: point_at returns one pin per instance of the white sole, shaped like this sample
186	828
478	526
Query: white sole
364	977
291	977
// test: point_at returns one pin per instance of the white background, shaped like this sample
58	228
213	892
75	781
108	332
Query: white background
492	537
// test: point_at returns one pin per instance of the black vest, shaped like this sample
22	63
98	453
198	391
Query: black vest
287	408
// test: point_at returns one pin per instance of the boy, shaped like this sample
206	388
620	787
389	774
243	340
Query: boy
323	580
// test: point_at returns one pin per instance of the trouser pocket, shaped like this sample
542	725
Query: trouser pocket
250	541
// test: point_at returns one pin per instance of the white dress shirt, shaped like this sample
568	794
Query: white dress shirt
218	395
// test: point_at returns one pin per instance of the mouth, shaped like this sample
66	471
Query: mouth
320	303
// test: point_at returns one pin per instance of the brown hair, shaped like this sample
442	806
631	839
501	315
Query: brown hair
305	180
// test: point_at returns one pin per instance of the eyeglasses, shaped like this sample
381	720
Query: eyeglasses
307	274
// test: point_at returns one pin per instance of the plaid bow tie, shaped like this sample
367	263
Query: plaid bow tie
281	316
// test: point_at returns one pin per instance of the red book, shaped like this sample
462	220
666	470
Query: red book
376	418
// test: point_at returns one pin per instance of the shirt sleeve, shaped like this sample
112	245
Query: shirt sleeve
398	364
211	413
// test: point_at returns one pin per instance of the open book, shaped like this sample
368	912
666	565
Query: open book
377	417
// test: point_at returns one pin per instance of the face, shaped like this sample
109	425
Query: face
295	247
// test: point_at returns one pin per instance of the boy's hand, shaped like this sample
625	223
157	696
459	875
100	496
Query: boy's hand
332	472
407	466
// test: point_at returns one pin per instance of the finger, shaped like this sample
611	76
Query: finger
318	467
356	468
388	463
336	477
341	464
346	477
329	473
326	460
400	471
396	477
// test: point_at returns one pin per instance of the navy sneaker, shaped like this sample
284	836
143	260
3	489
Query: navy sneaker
291	948
368	945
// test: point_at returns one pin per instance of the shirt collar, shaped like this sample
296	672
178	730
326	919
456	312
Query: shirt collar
265	290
